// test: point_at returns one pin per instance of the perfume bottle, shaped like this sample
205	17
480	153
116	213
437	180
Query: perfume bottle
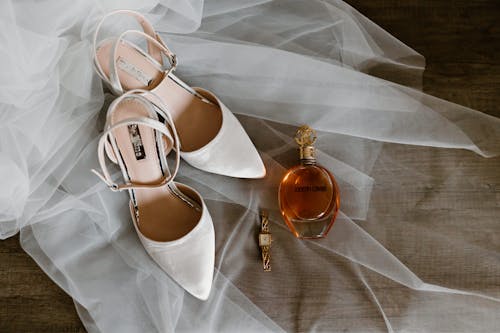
308	194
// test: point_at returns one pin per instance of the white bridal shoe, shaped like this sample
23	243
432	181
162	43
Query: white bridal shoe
170	218
211	137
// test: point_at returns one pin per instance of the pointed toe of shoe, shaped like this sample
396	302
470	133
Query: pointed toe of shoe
247	165
194	273
189	260
201	290
256	172
231	153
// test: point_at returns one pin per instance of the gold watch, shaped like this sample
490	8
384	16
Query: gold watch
265	240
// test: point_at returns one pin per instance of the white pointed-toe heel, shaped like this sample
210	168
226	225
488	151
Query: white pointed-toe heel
211	137
170	218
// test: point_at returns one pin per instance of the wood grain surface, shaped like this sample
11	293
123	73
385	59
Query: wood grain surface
461	43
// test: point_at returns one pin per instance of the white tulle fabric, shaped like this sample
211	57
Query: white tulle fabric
276	64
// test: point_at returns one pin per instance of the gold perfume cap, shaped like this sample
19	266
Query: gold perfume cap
305	138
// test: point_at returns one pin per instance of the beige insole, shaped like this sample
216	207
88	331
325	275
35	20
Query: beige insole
197	122
162	215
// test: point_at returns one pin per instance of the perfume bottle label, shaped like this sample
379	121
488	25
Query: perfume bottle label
135	138
310	188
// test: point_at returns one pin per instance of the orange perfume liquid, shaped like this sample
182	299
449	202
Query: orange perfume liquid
309	196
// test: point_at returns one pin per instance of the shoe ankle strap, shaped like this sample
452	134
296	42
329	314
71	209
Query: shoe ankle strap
170	132
156	47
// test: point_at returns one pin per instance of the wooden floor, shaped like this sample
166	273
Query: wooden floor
461	43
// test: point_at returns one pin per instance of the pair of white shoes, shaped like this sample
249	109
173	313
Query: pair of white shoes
155	114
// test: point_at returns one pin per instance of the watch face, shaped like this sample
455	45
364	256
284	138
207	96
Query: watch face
265	240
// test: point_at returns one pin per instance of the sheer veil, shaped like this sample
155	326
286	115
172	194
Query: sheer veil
276	64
